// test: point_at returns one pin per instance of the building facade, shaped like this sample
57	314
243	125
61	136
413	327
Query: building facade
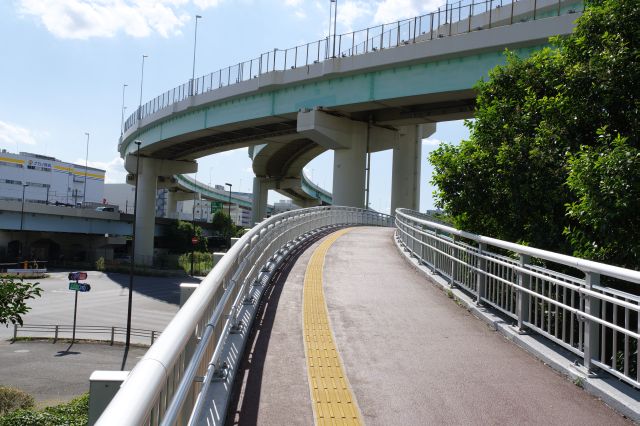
39	178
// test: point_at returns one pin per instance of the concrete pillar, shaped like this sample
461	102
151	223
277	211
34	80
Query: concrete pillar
172	205
349	170
150	169
349	140
259	203
145	211
407	156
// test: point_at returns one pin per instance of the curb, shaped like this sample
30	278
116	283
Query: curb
621	397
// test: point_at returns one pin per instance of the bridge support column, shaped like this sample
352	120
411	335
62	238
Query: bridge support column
348	139
150	169
259	203
172	205
407	156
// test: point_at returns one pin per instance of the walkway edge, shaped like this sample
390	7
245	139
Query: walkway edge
619	396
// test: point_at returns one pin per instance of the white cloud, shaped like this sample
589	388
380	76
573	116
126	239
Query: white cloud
431	142
84	19
352	12
388	11
14	135
115	172
206	4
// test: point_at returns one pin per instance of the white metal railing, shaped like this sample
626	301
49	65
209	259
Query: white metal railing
565	299
165	385
463	16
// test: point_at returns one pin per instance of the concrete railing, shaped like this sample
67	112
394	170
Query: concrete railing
576	303
170	383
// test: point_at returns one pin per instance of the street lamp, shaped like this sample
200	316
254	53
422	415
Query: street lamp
86	161
193	71
335	14
133	248
24	185
193	220
229	199
124	86
141	81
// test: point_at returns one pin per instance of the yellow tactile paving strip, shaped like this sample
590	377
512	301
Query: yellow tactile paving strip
332	399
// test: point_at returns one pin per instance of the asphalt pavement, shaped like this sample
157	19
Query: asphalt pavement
57	372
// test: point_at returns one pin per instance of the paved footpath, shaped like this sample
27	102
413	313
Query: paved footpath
411	355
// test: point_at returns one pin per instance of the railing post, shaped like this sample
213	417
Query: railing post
591	329
113	335
153	336
522	302
481	264
15	332
454	253
433	251
55	337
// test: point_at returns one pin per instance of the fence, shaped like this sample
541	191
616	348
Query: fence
455	18
170	383
110	334
560	297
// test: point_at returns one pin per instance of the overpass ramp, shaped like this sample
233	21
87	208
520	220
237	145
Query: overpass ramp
410	354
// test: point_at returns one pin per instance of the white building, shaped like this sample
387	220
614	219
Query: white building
48	180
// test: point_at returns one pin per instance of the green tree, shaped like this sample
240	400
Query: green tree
545	152
13	297
179	236
223	225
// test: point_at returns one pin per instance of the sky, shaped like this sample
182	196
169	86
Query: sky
63	64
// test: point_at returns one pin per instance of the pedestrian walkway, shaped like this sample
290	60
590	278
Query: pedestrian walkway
410	354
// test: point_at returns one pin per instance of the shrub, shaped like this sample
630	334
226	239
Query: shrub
73	413
13	399
100	264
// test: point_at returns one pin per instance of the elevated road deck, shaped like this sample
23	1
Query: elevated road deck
410	354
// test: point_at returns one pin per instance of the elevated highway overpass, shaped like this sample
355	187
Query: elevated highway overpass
380	88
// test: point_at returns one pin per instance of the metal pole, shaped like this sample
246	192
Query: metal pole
193	220
124	86
229	198
86	161
133	246
195	40
335	16
75	311
141	82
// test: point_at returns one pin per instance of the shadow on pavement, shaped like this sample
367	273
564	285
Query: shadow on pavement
252	364
166	289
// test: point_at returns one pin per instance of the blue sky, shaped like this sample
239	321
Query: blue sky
64	62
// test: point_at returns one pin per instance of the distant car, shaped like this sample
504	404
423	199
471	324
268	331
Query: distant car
105	209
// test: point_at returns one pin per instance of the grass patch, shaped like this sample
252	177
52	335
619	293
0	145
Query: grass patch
73	413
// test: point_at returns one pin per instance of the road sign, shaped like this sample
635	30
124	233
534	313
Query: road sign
194	240
77	276
216	206
83	287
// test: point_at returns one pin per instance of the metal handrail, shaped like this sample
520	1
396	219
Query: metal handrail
163	379
465	15
570	306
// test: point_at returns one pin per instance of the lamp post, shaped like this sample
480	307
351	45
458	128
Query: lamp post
193	220
86	163
133	247
335	14
141	82
124	86
193	70
24	185
229	198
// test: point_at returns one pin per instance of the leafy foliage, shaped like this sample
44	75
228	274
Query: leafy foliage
13	296
74	413
223	224
552	156
179	236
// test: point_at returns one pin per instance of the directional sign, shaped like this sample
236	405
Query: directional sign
77	276
79	287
